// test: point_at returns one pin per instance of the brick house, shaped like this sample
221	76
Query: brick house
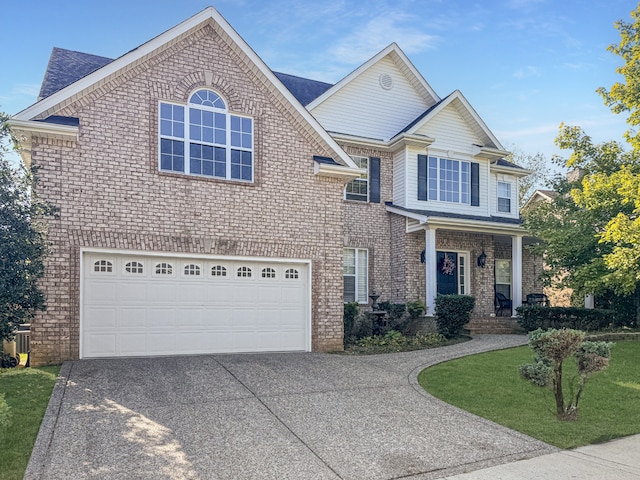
208	204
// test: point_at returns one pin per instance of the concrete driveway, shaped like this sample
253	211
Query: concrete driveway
266	416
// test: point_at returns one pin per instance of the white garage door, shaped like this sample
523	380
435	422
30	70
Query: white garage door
136	305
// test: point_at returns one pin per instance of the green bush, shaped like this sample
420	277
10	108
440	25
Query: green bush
351	310
394	310
452	313
394	341
533	317
416	309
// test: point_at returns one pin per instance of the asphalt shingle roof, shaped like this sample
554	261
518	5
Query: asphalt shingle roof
68	66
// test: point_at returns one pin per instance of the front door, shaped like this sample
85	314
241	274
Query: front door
447	273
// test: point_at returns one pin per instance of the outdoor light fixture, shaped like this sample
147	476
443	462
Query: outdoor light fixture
482	259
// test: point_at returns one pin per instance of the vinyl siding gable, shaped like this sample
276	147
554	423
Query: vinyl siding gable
364	108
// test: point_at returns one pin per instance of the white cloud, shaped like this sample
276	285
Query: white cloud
380	31
29	89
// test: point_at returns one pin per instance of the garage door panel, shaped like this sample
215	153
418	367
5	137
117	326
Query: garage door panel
102	344
132	317
165	311
131	291
162	293
101	291
133	344
102	317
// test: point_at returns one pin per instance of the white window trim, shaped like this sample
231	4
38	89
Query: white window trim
510	270
365	300
368	180
498	197
439	176
187	139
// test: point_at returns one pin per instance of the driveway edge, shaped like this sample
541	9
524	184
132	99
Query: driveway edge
38	457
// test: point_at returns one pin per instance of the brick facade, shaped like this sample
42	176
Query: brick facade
111	194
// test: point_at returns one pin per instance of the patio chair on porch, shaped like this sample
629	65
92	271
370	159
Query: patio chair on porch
538	299
502	303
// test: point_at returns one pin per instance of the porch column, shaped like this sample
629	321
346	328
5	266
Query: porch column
516	272
430	266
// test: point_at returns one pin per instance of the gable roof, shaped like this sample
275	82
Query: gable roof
93	78
404	64
467	112
68	66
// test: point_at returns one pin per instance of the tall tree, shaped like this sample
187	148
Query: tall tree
22	241
623	96
591	230
541	174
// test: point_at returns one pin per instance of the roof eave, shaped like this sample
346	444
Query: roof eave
337	171
25	130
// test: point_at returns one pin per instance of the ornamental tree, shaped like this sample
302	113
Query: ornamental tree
22	242
551	348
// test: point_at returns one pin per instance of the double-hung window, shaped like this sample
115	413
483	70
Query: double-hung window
358	189
449	180
204	139
504	197
356	275
365	188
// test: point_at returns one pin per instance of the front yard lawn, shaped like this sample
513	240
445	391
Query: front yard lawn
489	385
26	392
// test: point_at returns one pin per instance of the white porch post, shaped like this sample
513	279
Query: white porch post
430	269
516	272
589	301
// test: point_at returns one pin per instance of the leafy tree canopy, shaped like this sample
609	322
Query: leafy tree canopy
22	242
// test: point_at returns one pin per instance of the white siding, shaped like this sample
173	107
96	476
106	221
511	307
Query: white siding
365	109
450	132
399	179
454	139
514	195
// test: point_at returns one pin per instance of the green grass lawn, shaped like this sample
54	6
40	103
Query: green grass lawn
488	385
27	392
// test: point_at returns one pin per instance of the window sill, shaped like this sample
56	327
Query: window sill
184	176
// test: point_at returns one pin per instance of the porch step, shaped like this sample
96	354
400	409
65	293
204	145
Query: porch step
503	325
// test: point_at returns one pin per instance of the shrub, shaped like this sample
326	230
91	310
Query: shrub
395	310
394	341
351	310
416	309
533	317
551	349
452	313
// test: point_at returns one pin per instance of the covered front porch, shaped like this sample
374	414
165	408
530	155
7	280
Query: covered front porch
455	254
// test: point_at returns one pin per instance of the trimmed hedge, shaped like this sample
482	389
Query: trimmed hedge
452	313
532	317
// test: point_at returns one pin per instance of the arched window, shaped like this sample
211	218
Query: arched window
218	271
134	267
203	138
268	273
291	274
103	266
192	269
243	272
164	269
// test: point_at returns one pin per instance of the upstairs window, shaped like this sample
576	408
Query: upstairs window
366	188
358	189
449	180
446	180
204	139
504	197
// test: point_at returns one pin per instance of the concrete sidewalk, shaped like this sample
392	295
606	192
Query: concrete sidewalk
280	416
615	460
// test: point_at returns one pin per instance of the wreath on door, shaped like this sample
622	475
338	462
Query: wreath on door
448	265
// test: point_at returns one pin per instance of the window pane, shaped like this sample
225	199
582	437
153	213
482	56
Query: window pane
349	261
362	277
171	155
349	288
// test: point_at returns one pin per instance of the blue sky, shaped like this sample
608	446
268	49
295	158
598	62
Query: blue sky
525	65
